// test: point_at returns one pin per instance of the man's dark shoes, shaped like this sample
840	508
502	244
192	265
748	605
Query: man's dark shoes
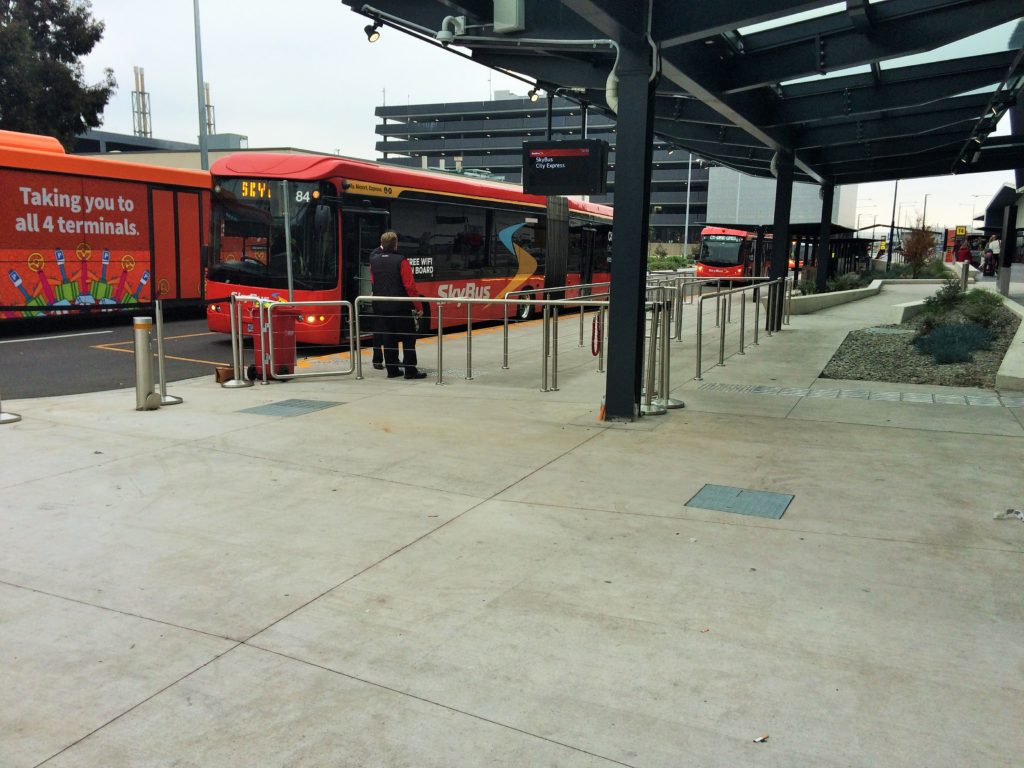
379	366
394	374
417	375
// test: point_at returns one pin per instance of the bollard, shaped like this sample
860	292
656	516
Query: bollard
545	344
7	418
165	399
145	398
469	342
238	377
554	349
440	343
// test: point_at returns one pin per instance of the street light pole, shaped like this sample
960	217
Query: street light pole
924	214
203	155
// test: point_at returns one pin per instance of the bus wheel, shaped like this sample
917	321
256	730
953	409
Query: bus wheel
524	311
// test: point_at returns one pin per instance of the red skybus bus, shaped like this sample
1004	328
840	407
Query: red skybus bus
730	252
463	236
83	231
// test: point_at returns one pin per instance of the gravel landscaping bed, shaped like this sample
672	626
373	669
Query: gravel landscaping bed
885	353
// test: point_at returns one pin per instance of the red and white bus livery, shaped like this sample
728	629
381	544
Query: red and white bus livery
463	236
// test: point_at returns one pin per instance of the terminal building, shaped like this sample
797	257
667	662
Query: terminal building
687	192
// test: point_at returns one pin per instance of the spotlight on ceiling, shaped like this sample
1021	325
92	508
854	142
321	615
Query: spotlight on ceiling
534	94
372	32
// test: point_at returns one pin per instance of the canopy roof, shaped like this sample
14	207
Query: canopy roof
858	91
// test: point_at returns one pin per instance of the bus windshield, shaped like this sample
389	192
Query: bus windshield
249	235
720	250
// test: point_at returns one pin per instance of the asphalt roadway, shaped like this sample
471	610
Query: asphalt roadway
69	356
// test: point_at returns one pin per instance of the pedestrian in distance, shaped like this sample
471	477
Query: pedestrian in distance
395	321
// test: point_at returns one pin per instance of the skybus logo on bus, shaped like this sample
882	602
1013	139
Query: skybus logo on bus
468	291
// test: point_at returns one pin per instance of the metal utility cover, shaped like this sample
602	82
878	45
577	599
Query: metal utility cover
290	407
724	498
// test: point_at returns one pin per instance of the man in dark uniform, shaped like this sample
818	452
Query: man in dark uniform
395	321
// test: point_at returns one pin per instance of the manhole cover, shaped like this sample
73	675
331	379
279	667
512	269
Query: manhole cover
290	407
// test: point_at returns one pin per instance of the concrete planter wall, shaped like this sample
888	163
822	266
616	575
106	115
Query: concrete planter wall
805	305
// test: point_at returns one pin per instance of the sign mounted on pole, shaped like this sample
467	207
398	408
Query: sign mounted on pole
565	167
961	231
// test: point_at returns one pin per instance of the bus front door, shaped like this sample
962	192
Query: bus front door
361	231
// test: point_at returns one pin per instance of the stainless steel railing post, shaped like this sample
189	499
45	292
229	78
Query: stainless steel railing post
789	299
554	349
440	343
649	407
757	311
773	289
743	319
728	305
145	398
504	342
582	313
700	333
718	302
238	376
355	346
165	399
545	344
666	359
264	343
469	342
680	288
721	339
600	339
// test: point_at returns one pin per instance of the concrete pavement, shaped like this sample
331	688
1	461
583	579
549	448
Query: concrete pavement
483	574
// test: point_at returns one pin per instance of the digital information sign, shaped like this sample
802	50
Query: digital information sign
565	167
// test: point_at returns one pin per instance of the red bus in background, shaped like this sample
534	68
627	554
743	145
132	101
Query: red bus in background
83	231
463	236
730	252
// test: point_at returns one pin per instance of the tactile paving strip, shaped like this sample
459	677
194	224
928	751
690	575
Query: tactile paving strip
290	407
864	394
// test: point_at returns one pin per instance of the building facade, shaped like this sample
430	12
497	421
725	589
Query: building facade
487	137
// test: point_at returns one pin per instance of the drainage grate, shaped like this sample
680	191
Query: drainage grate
290	407
863	394
724	498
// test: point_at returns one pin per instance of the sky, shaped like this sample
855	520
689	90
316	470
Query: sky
303	75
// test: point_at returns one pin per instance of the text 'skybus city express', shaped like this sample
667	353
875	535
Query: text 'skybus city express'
463	236
91	233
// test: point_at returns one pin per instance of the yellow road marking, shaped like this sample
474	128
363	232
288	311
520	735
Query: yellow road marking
114	347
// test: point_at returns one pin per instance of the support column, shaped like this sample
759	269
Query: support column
634	139
1008	248
780	234
824	252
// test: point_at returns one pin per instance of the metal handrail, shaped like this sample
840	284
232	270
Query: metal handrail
720	311
601	304
535	291
267	340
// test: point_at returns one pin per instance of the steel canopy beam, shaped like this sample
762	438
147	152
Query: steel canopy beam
831	43
684	22
897	89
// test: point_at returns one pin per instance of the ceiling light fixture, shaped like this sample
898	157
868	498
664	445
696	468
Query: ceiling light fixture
372	32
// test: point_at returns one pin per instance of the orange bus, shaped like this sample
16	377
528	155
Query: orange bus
80	233
462	235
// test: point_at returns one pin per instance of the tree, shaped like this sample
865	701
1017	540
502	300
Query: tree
42	87
917	248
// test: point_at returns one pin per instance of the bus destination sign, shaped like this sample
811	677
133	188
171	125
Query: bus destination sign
565	167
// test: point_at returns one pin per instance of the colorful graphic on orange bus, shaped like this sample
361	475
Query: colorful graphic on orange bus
82	232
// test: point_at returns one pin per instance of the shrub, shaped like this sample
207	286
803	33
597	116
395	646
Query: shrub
899	272
847	282
954	342
807	287
946	298
934	268
982	307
